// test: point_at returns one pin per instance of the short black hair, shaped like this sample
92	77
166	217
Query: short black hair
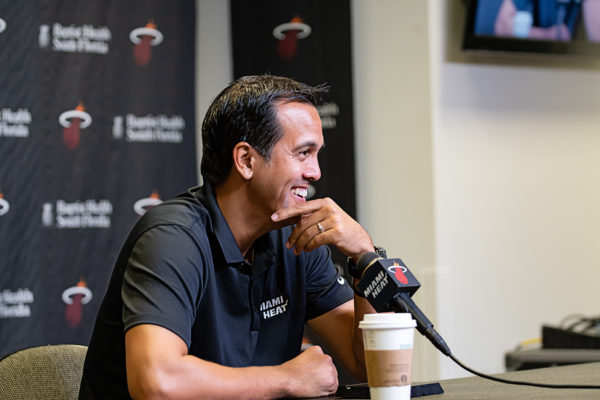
245	111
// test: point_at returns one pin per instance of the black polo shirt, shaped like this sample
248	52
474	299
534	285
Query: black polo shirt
181	268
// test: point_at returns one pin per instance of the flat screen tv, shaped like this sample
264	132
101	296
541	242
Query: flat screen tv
569	27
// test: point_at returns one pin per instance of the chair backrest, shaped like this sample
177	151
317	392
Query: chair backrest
45	372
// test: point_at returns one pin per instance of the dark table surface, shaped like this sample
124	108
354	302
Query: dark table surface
476	388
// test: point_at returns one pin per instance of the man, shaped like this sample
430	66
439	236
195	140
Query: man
212	289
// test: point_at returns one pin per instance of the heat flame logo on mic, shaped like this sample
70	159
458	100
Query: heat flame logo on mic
74	121
398	272
288	35
143	205
4	205
75	297
143	40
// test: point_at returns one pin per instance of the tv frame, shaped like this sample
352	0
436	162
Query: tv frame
578	46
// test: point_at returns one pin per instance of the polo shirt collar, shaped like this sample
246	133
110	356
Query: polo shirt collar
264	247
265	252
220	227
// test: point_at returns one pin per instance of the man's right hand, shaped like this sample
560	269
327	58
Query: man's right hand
313	374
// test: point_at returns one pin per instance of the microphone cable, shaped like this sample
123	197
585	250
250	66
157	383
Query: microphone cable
522	383
402	302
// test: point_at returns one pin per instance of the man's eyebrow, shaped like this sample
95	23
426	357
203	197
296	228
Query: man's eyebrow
310	144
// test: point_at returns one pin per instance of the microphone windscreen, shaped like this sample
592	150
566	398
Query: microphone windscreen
366	259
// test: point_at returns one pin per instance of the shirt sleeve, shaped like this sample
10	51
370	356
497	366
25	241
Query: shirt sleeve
163	280
326	287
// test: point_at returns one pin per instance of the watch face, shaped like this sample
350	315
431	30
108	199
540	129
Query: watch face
381	251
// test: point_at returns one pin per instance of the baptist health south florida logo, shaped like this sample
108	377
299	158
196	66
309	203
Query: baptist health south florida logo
15	304
149	128
75	38
15	123
86	214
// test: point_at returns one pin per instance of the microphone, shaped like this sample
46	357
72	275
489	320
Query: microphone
388	286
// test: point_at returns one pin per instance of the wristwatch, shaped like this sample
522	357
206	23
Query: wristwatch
353	268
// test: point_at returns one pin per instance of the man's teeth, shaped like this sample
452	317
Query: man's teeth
300	192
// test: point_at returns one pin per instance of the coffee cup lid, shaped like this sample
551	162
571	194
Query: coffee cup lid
387	321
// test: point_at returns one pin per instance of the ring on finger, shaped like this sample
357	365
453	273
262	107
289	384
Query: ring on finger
321	229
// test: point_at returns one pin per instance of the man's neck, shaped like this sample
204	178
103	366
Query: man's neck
245	221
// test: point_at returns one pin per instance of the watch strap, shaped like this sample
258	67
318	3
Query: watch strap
353	268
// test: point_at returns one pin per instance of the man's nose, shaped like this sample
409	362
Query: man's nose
313	171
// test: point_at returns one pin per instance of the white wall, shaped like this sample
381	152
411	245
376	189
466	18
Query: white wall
214	65
517	196
390	42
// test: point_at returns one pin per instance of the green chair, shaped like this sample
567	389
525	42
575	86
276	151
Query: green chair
50	372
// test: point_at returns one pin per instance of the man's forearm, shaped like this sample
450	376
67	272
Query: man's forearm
194	378
158	367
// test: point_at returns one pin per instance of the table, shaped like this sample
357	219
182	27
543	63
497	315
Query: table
476	388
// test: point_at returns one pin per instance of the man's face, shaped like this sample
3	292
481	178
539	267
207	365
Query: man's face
283	180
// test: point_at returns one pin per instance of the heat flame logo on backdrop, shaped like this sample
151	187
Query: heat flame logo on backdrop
288	35
75	297
143	205
143	40
74	121
71	172
4	205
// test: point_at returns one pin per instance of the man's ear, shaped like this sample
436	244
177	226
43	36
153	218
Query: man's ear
243	159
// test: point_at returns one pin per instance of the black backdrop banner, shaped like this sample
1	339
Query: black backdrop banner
309	41
96	127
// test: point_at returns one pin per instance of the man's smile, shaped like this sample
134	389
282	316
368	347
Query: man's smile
300	192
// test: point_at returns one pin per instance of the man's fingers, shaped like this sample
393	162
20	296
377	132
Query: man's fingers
308	242
322	222
297	210
288	221
306	229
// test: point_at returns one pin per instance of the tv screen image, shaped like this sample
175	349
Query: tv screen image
537	26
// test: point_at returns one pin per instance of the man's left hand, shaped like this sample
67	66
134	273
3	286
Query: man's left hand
320	222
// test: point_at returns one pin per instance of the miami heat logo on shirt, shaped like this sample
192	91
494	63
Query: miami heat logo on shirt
143	40
288	35
74	121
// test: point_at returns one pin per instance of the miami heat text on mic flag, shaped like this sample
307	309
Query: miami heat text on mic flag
96	127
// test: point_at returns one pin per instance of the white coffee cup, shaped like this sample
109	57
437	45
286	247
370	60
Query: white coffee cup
388	340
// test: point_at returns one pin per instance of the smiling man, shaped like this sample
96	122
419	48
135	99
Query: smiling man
211	291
